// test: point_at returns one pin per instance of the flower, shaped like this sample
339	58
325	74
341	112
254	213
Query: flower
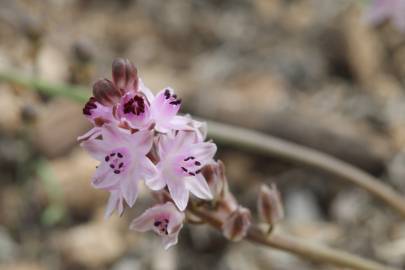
164	108
269	204
133	111
123	160
164	219
381	10
237	224
181	158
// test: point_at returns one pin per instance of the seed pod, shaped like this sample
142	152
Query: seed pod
237	224
269	205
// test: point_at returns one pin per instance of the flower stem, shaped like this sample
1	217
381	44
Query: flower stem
249	140
269	145
305	249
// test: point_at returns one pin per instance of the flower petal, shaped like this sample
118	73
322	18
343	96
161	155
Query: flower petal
179	192
155	183
198	186
170	240
104	178
114	203
144	222
148	169
141	141
204	152
96	148
129	188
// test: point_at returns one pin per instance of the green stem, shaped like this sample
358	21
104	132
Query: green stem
252	141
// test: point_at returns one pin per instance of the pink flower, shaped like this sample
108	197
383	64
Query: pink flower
381	10
133	111
164	108
123	161
181	158
163	219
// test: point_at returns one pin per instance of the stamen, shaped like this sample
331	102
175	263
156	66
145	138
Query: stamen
198	171
184	169
197	163
112	166
117	171
192	174
119	155
107	158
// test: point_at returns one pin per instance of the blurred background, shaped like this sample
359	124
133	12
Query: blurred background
309	71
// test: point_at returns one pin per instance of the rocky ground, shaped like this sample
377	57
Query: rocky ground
312	72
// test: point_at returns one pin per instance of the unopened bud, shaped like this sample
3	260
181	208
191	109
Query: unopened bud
105	92
214	174
237	224
125	75
269	204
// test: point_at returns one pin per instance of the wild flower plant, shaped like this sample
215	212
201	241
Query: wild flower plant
139	137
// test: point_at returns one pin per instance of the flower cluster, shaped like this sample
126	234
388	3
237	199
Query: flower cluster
139	137
381	10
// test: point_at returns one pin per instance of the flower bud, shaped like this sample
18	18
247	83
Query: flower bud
105	92
269	205
214	174
237	224
125	75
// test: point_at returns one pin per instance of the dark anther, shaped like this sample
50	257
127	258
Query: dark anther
90	105
184	169
119	155
197	171
107	158
112	154
197	163
120	165
167	94
112	166
166	220
192	174
157	223
116	171
188	158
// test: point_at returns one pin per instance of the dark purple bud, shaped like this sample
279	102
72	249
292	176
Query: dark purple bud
125	75
105	92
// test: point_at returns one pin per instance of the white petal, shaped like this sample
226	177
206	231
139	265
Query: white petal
155	183
112	204
148	170
204	152
169	240
96	148
199	187
179	193
129	189
104	178
141	141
